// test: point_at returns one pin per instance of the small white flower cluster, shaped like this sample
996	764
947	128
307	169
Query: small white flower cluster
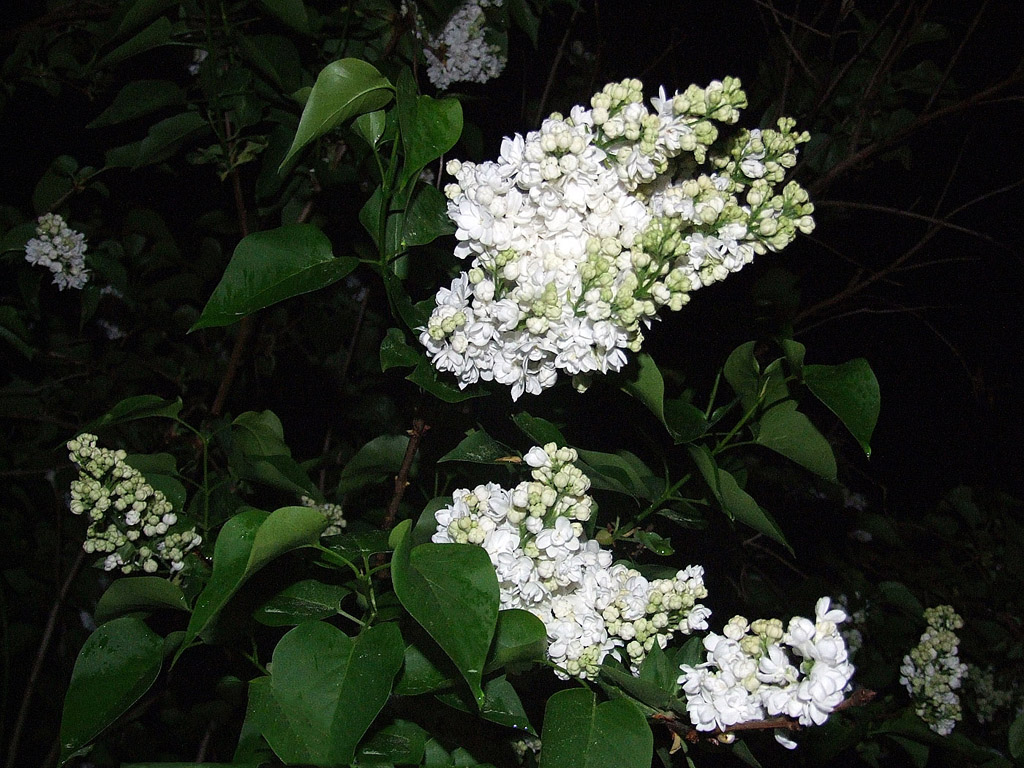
460	53
333	512
580	232
988	699
932	671
546	565
855	625
129	521
60	249
757	670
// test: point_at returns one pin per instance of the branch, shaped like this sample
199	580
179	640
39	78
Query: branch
37	666
873	149
419	428
858	698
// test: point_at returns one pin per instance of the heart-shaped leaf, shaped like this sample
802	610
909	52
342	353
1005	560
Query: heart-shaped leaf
117	664
324	691
580	733
246	543
343	89
271	266
452	592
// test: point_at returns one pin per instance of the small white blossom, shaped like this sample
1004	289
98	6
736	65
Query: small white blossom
130	522
579	232
931	672
534	536
460	53
60	249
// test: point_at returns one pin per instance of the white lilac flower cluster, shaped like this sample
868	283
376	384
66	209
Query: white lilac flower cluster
546	565
130	522
461	53
332	512
987	697
932	671
60	249
581	231
758	670
855	624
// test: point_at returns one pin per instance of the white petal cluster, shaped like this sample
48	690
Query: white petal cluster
757	670
988	698
932	671
460	53
60	249
581	231
130	522
591	607
332	512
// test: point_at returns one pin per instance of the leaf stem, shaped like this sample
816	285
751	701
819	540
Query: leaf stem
37	666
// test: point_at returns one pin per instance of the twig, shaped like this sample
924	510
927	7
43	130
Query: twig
44	646
858	698
204	745
872	149
900	212
554	66
419	428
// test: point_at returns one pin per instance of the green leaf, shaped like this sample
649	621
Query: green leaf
271	266
259	453
396	353
370	126
425	669
137	407
541	431
259	434
324	691
1016	738
116	666
501	705
655	542
736	502
479	448
139	98
343	89
165	138
291	12
14	332
787	431
429	126
401	743
378	460
355	546
743	373
579	733
647	691
307	600
691	653
156	34
850	390
139	593
246	543
612	472
426	218
141	12
452	592
519	637
659	669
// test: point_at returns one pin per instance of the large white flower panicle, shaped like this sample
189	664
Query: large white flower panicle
60	249
130	522
461	53
578	233
932	671
546	565
758	670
